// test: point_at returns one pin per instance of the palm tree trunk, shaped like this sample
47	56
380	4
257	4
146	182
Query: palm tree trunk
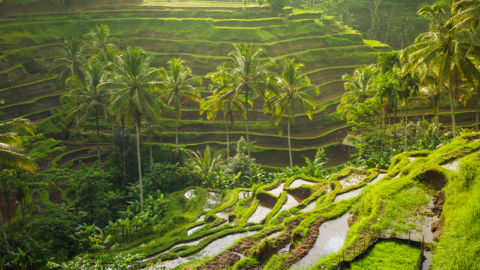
452	107
113	138
176	135
248	139
437	113
476	116
137	124
406	122
228	145
289	144
98	139
123	150
4	235
151	153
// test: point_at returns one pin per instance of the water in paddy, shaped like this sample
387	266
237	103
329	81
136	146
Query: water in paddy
300	182
426	231
224	213
428	260
190	194
351	180
260	213
213	199
378	178
194	229
276	191
212	249
453	166
331	239
348	195
273	235
411	159
309	207
201	218
291	202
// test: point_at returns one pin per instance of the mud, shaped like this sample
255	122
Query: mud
436	179
301	193
221	261
304	248
267	200
218	223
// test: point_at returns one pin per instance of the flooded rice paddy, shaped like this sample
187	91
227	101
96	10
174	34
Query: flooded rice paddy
260	213
300	182
190	194
276	191
194	229
331	239
452	166
351	180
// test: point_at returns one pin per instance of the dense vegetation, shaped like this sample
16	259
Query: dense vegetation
116	196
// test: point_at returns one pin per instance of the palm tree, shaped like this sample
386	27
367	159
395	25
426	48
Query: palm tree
409	81
436	96
358	87
222	98
405	28
291	88
68	60
100	39
179	83
443	52
466	14
134	82
248	72
469	92
90	98
11	144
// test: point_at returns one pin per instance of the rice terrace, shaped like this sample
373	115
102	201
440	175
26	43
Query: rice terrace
240	135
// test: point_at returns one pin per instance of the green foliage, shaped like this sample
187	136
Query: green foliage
390	255
332	119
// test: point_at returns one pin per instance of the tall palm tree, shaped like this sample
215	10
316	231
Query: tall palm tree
222	98
179	84
409	84
291	88
248	73
405	28
11	153
466	14
357	87
436	95
90	97
469	92
68	60
443	52
134	82
99	39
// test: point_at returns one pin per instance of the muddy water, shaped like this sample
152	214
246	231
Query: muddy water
213	199
425	233
190	194
351	180
224	213
273	235
349	195
210	250
453	166
331	239
201	218
259	214
309	207
378	178
244	194
285	250
411	159
194	229
276	191
428	261
300	182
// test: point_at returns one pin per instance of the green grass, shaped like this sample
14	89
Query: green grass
375	43
389	256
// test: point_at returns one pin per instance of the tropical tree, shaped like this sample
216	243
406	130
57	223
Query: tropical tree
99	39
291	88
443	50
405	28
469	92
89	96
179	84
409	85
248	72
134	83
435	95
466	15
222	98
357	86
68	60
11	153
